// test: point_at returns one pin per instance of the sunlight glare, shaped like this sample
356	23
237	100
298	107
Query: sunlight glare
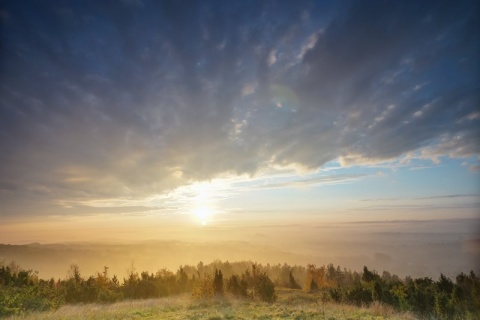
202	214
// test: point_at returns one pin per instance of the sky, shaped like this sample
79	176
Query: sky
139	119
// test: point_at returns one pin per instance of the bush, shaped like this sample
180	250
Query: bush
21	291
359	296
237	287
203	288
263	287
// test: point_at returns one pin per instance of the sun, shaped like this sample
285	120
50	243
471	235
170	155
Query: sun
202	214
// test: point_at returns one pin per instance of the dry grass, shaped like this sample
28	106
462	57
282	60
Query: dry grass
291	304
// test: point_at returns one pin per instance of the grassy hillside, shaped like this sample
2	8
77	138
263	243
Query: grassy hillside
291	304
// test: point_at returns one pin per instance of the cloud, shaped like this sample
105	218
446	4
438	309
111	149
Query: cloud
272	57
473	116
248	90
379	199
136	100
333	179
385	113
309	44
418	208
124	210
450	196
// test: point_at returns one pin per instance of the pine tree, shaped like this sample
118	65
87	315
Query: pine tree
218	283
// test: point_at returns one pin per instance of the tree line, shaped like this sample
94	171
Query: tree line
442	299
23	291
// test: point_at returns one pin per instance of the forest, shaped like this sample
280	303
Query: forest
23	292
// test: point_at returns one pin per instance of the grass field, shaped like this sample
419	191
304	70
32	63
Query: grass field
291	304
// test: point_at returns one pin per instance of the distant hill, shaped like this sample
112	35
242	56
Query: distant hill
471	246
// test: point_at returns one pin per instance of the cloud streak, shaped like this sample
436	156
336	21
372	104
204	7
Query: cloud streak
315	181
450	196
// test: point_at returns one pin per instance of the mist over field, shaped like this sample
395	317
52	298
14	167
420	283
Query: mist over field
400	247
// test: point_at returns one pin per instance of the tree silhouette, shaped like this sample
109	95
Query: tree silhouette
218	283
292	283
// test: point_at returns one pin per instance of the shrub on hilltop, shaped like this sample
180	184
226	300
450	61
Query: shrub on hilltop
21	291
